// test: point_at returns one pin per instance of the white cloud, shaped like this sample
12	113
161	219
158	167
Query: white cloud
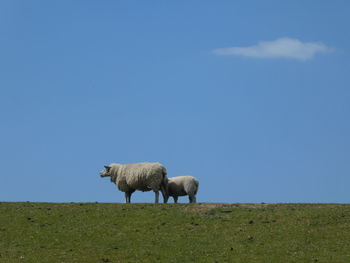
280	48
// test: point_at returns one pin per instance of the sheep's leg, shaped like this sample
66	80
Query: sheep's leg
175	199
192	198
164	194
157	196
128	197
165	198
130	193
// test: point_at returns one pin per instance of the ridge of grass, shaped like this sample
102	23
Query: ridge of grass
100	232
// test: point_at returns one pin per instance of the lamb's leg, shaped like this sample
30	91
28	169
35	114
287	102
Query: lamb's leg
175	199
157	196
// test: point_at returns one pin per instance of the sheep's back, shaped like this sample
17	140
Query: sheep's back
143	176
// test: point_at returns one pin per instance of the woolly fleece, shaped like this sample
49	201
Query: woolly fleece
182	185
138	176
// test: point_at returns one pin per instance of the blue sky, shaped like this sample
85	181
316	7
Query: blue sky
250	97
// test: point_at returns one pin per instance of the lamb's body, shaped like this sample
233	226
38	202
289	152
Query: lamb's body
183	185
138	176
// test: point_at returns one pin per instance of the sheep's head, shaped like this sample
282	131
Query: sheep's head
106	172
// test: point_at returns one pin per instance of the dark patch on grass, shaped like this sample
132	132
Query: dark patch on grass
211	212
226	211
250	238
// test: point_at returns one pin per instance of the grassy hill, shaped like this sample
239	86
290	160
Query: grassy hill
91	232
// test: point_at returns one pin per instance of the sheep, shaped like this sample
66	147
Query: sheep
138	176
183	185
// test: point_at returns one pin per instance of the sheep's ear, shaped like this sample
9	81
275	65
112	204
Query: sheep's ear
107	167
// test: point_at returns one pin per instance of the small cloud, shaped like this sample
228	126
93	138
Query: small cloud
280	48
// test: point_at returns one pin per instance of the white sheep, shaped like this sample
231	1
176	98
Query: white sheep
138	176
183	185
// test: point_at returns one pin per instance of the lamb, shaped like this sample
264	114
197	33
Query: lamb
183	185
138	176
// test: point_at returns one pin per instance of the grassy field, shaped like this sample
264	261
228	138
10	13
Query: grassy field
93	232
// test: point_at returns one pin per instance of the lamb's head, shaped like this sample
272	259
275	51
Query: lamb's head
106	172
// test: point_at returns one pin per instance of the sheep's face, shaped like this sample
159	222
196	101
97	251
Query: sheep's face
106	172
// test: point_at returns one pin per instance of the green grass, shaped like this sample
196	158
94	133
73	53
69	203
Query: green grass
89	232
